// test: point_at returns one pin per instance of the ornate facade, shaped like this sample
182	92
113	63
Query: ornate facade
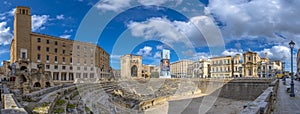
250	64
131	66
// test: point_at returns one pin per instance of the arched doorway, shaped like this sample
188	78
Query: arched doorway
48	84
134	70
23	68
37	84
23	79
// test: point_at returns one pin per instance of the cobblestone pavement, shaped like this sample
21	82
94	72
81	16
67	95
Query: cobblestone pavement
286	104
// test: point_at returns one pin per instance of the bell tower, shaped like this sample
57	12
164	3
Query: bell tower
21	44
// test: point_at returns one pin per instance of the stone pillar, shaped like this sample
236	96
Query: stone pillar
67	76
59	76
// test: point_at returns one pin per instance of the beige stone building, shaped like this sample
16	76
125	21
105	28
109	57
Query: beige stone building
199	69
179	69
131	66
250	63
221	67
65	59
237	66
147	70
268	68
4	70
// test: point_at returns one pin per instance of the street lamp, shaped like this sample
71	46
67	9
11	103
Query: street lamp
292	94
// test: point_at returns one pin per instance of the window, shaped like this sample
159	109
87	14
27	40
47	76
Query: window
55	67
39	48
92	68
71	60
55	58
47	66
47	49
85	68
92	75
64	67
38	39
78	75
47	41
55	50
47	57
78	47
56	43
249	58
39	57
63	51
71	68
64	59
78	68
23	55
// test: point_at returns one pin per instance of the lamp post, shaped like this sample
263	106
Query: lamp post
292	94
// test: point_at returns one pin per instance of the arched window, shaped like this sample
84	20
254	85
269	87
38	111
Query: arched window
37	84
134	70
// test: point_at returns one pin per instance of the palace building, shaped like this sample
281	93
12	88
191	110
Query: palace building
65	59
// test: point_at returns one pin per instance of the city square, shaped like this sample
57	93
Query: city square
185	64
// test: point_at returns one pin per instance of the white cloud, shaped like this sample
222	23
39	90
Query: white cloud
60	17
157	54
65	36
5	34
276	53
113	5
159	47
257	18
39	21
118	5
232	52
10	13
163	30
146	51
68	31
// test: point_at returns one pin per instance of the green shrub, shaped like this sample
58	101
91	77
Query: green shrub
59	110
71	106
60	102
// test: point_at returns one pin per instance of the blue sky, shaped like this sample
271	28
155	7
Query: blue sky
145	27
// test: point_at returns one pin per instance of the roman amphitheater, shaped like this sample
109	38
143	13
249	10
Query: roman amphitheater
150	96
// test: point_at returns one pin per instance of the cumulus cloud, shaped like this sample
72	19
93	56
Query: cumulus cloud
60	17
257	18
118	5
10	13
232	52
146	51
168	31
39	21
159	47
113	5
157	54
5	34
65	36
276	53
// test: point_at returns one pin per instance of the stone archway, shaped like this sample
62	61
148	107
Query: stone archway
37	84
23	78
134	71
23	68
48	84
